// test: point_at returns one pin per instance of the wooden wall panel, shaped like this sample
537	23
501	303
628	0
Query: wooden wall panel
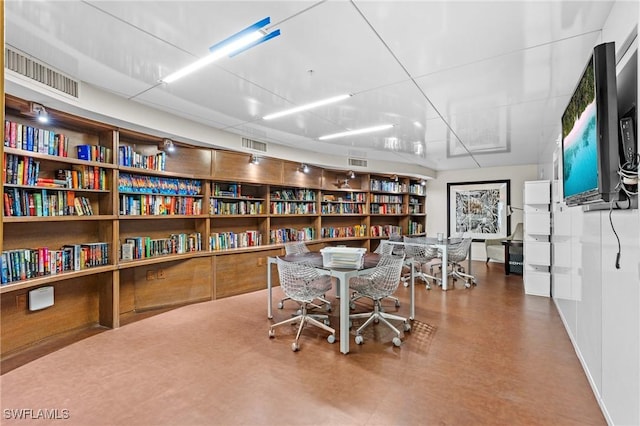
183	282
242	273
76	306
236	166
292	176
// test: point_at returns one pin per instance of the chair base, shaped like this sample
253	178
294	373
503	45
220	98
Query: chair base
305	318
378	316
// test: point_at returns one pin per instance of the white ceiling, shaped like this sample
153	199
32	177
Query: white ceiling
486	82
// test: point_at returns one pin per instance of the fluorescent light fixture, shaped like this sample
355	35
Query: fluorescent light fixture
231	46
307	106
356	132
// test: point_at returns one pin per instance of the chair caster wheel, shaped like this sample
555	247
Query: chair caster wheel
272	333
280	305
295	347
407	326
328	307
326	322
359	339
396	341
397	303
352	305
299	312
331	338
467	285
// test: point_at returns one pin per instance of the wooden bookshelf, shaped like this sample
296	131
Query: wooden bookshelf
243	212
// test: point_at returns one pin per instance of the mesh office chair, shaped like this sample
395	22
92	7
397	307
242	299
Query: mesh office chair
299	247
303	284
455	255
380	283
386	249
422	254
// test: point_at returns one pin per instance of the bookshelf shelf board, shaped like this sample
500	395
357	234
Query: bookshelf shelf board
263	247
47	279
151	172
227	197
158	193
388	215
232	216
53	188
345	214
27	219
329	240
162	216
57	158
126	264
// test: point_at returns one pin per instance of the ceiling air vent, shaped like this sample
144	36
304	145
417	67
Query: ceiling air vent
255	145
357	162
37	71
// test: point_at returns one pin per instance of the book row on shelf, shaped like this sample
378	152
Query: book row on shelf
289	207
24	264
343	231
22	202
233	190
387	209
354	197
341	208
158	185
229	240
377	198
159	205
129	158
388	186
284	235
294	195
33	139
385	230
221	207
23	170
416	228
145	247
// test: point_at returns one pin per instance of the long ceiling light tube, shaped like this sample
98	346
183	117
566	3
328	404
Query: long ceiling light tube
356	132
231	46
308	106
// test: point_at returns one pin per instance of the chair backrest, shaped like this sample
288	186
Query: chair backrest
301	282
385	277
418	249
458	252
295	247
384	248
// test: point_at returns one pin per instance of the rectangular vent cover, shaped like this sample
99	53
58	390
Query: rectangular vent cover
37	71
255	145
357	162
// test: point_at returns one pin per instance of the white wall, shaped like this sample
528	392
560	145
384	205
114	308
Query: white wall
437	195
599	303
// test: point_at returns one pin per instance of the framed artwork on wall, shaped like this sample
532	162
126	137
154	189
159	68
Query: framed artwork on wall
479	209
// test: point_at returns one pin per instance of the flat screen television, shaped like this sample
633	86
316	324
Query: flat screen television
590	133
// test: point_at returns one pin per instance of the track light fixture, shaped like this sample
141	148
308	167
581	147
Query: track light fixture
304	168
39	112
168	146
394	178
423	182
351	174
254	159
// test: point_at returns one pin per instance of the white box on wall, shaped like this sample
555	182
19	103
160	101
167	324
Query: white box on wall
40	298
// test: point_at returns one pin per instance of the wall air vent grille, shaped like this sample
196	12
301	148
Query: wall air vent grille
357	162
255	145
37	71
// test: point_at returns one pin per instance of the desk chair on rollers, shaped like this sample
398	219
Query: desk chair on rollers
381	282
299	247
303	284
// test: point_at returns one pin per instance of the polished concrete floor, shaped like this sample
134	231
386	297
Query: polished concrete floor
488	355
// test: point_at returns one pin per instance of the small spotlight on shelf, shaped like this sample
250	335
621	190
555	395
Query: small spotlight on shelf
39	111
394	178
423	182
304	168
254	159
168	145
351	174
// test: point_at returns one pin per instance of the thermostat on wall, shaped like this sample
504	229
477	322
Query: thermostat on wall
40	298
